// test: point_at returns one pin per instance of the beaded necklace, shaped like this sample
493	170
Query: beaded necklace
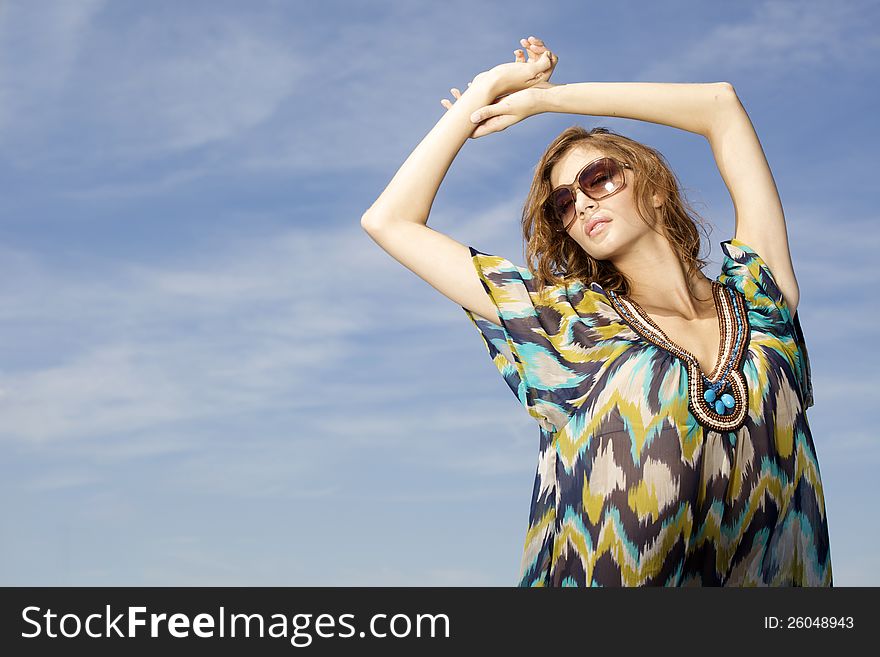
719	402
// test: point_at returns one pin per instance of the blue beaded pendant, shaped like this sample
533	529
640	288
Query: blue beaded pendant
718	400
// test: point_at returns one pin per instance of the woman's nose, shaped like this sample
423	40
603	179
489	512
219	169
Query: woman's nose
582	202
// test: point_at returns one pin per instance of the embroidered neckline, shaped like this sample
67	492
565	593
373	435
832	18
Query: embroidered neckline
659	335
709	397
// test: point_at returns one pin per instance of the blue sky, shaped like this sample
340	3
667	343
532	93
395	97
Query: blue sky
211	375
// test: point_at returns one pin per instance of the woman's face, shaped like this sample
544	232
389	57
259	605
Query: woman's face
624	228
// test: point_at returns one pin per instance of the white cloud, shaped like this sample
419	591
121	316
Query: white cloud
40	43
144	85
217	78
777	38
122	353
143	345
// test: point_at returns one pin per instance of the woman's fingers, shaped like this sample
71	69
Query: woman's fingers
536	50
544	64
540	54
456	93
535	47
496	124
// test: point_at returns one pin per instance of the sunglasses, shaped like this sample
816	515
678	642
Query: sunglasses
598	179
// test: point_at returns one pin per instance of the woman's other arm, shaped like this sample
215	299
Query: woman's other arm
713	110
397	220
688	106
760	220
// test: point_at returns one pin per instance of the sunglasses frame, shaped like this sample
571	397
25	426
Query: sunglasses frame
573	187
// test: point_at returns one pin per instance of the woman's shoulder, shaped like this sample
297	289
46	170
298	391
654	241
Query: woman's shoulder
502	274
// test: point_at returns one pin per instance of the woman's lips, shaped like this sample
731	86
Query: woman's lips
598	226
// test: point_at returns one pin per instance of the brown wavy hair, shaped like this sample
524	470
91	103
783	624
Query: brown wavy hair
560	259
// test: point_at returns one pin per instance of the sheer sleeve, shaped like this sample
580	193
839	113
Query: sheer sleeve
528	347
745	270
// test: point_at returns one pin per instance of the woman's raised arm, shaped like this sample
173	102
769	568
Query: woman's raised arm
411	192
397	220
688	106
713	110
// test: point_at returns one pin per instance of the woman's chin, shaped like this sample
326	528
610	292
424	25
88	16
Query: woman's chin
597	249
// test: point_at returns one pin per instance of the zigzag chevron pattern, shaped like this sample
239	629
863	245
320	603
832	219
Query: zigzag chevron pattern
630	488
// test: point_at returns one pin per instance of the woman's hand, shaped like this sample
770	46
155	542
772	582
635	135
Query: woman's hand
514	86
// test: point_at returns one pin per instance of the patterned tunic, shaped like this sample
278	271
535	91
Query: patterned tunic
639	481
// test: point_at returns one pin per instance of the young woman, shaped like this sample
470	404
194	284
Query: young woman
674	445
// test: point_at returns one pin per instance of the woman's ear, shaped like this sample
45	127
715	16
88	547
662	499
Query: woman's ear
657	200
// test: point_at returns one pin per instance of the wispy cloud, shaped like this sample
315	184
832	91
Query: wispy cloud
145	85
157	343
40	44
776	38
247	323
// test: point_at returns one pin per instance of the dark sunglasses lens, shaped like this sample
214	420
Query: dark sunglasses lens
601	179
562	204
